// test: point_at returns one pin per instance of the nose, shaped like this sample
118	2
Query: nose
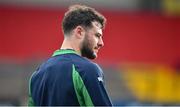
100	42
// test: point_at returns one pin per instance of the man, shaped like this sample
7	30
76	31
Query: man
68	77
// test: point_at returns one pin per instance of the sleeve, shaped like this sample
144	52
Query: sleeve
93	89
30	99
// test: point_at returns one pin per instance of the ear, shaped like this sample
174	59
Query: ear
80	32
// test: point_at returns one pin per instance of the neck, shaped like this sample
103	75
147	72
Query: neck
70	44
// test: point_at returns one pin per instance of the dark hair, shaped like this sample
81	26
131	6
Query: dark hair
81	15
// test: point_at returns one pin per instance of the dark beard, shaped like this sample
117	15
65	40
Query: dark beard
86	51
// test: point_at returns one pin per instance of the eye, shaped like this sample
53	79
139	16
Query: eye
98	35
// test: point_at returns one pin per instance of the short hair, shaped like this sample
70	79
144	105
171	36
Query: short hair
81	15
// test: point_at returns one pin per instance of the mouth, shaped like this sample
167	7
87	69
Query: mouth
96	49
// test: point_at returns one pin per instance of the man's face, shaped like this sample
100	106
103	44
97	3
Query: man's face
92	41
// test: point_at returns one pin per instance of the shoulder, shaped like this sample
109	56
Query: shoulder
93	67
55	64
86	67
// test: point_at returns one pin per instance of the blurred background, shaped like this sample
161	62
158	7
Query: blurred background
140	59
